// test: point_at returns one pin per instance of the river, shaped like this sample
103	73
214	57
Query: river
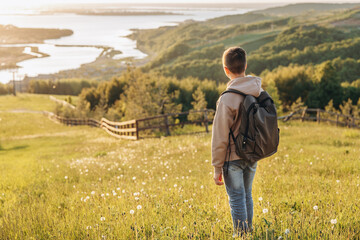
92	30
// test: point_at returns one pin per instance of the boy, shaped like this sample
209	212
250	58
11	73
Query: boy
240	174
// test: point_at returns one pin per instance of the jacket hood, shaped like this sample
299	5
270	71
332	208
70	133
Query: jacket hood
250	85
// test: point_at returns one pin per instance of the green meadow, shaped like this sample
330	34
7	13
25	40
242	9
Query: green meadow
62	182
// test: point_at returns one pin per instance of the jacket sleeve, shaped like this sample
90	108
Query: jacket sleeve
223	120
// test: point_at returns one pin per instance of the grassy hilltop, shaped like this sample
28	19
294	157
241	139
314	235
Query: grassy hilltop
80	183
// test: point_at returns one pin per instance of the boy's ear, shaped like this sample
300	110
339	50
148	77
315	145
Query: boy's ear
245	66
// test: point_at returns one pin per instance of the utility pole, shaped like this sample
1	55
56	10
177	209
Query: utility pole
13	72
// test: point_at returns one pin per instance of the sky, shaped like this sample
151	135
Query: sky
37	3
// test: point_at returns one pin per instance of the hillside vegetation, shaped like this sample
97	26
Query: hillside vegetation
309	58
314	51
80	183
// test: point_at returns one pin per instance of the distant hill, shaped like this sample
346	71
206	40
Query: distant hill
301	8
241	19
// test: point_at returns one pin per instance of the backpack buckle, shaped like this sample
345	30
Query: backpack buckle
244	142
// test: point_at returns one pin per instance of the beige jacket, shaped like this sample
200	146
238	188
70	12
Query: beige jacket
227	115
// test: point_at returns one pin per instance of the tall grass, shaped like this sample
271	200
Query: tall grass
60	182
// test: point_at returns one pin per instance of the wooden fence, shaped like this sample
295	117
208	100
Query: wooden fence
132	129
320	115
164	122
126	130
75	121
137	128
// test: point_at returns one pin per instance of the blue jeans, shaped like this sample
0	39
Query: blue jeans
238	183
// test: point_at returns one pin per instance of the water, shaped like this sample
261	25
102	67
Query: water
92	30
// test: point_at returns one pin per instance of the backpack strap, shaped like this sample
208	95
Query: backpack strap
233	91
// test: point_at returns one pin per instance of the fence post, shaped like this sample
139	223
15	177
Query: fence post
303	114
206	120
137	129
166	121
318	115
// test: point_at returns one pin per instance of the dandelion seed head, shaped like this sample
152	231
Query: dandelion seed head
265	210
102	219
333	221
287	231
132	211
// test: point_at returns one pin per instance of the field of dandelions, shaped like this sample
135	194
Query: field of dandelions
60	182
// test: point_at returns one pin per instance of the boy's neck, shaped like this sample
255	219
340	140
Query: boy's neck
233	76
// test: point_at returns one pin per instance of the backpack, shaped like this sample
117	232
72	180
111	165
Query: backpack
258	132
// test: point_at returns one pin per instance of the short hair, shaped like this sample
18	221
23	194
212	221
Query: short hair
234	59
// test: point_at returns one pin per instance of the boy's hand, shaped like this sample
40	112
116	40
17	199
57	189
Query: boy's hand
218	178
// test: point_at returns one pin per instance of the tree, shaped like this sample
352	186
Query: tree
330	108
327	88
297	105
148	95
199	103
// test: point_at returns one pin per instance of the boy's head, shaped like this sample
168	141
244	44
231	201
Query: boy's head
234	61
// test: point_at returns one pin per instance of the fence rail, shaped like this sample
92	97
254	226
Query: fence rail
132	129
320	115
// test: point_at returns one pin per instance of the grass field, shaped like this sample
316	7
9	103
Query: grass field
60	182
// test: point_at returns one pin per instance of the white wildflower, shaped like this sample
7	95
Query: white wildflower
139	207
315	208
132	211
102	219
333	221
265	210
